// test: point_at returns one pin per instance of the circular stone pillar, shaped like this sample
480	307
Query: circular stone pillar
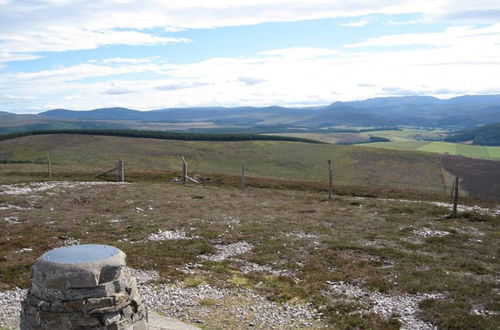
83	287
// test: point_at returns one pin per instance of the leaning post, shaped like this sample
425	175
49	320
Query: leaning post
184	170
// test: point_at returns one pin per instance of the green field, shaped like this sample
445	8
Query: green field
355	166
285	160
408	134
472	151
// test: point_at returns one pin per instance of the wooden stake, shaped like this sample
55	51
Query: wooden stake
455	199
49	166
242	176
330	180
120	171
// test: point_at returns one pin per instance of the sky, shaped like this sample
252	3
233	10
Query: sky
154	54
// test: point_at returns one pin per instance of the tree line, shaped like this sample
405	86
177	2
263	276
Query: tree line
161	135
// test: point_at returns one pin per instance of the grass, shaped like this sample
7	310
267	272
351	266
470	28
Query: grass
405	135
285	160
457	149
194	281
361	241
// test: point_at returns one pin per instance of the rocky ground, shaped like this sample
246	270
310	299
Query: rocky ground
267	259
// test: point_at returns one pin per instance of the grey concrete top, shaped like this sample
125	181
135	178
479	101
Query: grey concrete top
84	253
77	266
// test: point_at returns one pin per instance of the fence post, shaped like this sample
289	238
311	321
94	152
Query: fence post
330	180
242	176
184	170
120	175
49	166
455	198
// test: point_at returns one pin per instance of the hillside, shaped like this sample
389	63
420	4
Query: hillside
225	257
353	166
487	135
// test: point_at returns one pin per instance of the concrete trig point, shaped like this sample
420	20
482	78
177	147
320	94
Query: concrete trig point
83	287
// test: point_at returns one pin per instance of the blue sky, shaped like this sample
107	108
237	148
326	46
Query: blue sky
154	54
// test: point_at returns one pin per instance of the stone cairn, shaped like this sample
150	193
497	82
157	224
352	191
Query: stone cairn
83	287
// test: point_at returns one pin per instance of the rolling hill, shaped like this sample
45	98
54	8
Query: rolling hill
353	166
488	135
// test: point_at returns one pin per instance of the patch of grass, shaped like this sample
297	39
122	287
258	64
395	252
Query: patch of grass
207	302
240	281
193	281
448	314
358	321
474	267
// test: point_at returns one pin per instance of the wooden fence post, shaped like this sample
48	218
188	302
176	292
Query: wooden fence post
184	170
120	175
330	180
455	199
242	176
49	166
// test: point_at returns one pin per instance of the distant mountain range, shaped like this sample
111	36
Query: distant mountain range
422	111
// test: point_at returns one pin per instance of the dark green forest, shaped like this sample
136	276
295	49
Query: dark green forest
161	135
487	135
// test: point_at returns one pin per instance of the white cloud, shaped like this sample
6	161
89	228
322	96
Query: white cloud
172	86
301	52
250	81
356	24
290	76
53	25
410	22
451	36
118	91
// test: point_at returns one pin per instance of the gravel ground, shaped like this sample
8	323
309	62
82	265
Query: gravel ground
12	220
174	301
186	303
35	187
426	232
169	235
460	208
251	310
145	276
404	307
14	207
10	307
226	251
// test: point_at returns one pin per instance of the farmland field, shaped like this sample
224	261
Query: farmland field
472	151
407	139
408	134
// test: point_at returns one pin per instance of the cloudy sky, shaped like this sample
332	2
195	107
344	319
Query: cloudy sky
152	54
